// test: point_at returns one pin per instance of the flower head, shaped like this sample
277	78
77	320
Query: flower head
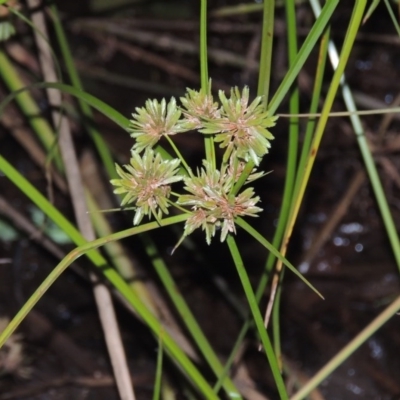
146	181
199	106
152	122
212	203
242	128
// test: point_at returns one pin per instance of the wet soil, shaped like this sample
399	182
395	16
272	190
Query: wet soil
64	353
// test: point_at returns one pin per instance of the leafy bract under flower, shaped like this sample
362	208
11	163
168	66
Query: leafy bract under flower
153	121
242	128
146	182
212	204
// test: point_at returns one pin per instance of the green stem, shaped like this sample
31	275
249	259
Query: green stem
252	232
208	140
186	315
291	161
237	259
179	155
267	39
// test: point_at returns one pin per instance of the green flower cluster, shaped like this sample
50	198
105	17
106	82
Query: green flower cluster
146	182
213	205
239	127
242	129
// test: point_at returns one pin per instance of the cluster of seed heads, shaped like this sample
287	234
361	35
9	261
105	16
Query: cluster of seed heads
240	129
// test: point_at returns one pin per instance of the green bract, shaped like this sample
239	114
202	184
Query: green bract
146	182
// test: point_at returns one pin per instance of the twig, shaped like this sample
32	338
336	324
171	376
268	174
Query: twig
102	295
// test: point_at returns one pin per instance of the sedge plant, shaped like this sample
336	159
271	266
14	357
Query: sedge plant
163	188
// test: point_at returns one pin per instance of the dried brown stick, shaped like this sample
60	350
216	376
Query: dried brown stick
371	102
101	292
128	265
390	168
91	172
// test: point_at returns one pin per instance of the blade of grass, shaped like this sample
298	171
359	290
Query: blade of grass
366	154
276	242
347	46
158	380
348	350
186	315
251	231
370	10
289	78
203	45
305	50
237	259
392	17
208	140
178	356
267	39
290	169
316	94
28	107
